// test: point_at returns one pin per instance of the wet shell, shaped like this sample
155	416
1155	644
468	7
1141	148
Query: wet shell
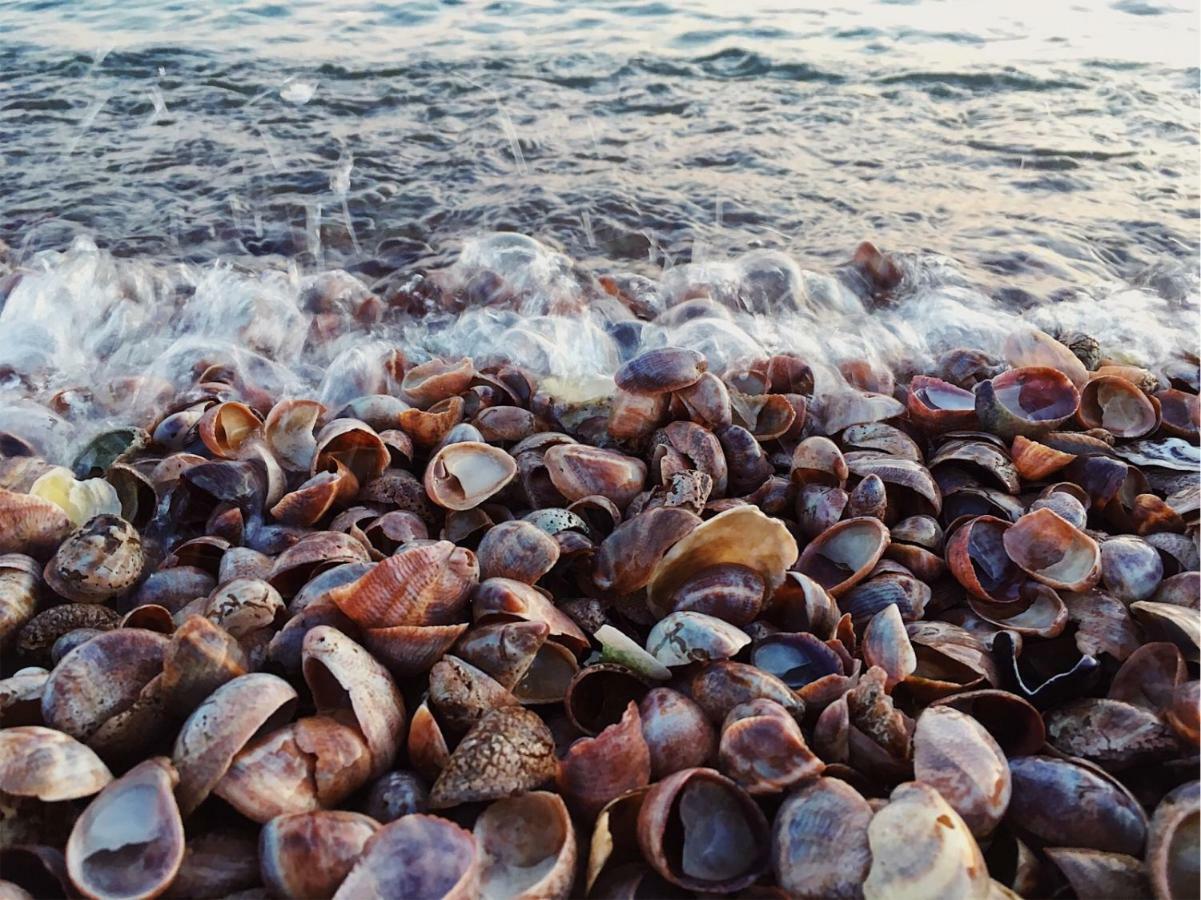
137	815
225	427
1029	401
1117	406
289	432
843	556
101	560
627	558
939	406
416	856
463	475
30	525
1035	461
661	371
819	843
528	848
817	460
438	379
977	557
579	471
1050	549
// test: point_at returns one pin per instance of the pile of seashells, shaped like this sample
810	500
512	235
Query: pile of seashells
706	635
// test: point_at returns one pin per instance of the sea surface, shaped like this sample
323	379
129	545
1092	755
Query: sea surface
1044	155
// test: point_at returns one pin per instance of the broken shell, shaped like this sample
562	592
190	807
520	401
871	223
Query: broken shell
702	832
676	732
681	638
416	856
49	765
661	371
342	675
920	847
599	696
819	844
225	427
309	764
101	560
843	556
308	854
517	550
507	598
199	659
80	500
819	507
1028	346
1030	401
742	535
886	644
579	471
1014	724
1068	805
1172	843
462	694
289	432
428	427
1184	711
977	557
1181	412
508	752
137	815
956	756
463	475
1110	733
427	747
1168	622
817	460
939	406
1035	461
221	726
763	750
1117	406
528	848
438	379
911	488
595	770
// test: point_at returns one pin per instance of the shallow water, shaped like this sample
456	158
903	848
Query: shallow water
1023	163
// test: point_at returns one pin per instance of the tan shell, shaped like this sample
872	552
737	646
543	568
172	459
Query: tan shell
225	427
426	584
844	555
19	578
342	675
306	855
355	445
921	848
1052	550
528	848
463	475
742	535
30	524
47	764
955	755
101	560
136	815
289	432
416	856
579	471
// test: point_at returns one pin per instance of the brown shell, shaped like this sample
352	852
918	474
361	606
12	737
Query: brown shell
595	770
416	856
426	584
99	561
30	525
842	556
305	855
465	474
528	848
49	765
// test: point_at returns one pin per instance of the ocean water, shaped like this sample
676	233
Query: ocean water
1024	160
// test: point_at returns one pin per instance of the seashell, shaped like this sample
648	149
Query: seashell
1180	590
595	770
39	634
21	697
1050	549
426	746
344	676
769	416
199	659
1068	805
695	449
218	862
1172	844
1065	506
225	427
308	854
634	417
416	856
817	460
845	409
34	870
819	844
701	832
1039	612
100	678
981	458
80	500
1060	681
424	584
661	371
1027	346
73	639
1092	873
1029	401
706	401
677	734
509	751
882	438
1035	461
411	649
977	556
956	755
312	555
19	580
313	499
763	750
720	686
1149	676
886	644
579	471
399	444
318	589
920	847
379	411
507	424
921	531
619	649
504	650
221	726
743	536
463	475
136	496
245	606
528	848
138	813
842	556
462	694
174	588
746	462
1166	453
1131	569
1181	413
1113	734
396	794
599	696
803	662
517	550
681	638
49	765
819	507
515	599
1168	622
1116	405
1015	725
30	525
438	379
912	490
387	533
728	591
428	427
868	499
937	405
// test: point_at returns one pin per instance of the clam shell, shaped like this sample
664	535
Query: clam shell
661	371
955	755
579	471
817	460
